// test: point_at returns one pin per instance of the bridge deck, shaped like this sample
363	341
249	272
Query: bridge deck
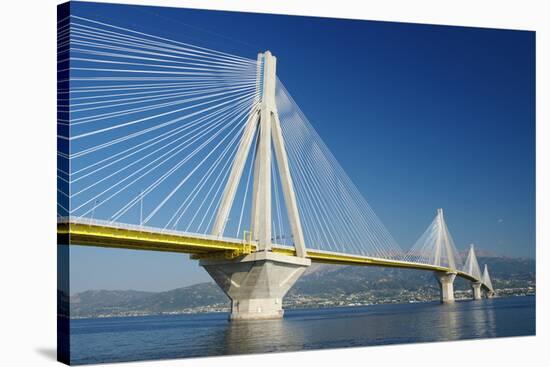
86	232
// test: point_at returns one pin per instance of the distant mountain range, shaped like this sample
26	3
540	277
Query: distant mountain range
321	284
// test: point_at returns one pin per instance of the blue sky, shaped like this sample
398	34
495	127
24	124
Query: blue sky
419	116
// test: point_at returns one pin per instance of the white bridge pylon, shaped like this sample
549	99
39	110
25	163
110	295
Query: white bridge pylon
486	280
471	266
436	246
256	283
263	120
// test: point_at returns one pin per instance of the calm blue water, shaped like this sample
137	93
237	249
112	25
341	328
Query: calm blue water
161	337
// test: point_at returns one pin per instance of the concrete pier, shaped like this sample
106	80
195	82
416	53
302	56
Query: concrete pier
489	294
256	283
476	290
446	287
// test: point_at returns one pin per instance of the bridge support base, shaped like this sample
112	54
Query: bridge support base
256	283
476	290
446	287
489	294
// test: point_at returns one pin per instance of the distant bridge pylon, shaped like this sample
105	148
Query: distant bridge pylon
436	246
471	266
486	280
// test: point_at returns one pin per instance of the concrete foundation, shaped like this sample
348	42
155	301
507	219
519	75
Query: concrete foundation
476	290
256	283
446	288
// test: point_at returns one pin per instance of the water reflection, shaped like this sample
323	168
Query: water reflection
360	326
451	322
465	320
261	336
482	317
159	337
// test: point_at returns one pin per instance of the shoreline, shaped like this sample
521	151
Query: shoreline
226	309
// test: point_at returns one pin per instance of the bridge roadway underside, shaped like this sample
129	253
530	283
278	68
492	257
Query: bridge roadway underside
209	247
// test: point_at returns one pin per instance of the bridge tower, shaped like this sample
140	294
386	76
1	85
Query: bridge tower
444	252
486	280
471	266
256	283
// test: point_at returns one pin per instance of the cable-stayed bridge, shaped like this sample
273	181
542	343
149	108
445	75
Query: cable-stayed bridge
168	146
